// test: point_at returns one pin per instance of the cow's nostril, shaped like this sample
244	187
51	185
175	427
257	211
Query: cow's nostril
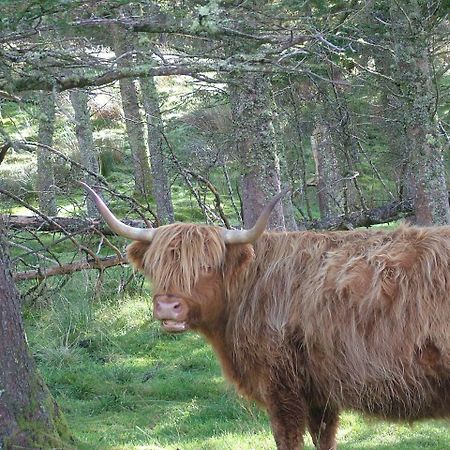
177	306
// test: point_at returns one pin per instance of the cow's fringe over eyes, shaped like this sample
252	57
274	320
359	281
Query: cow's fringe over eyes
179	253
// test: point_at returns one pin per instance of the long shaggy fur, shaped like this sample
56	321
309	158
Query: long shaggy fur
358	319
366	313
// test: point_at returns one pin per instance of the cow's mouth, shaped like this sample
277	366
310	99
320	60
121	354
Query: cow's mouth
174	326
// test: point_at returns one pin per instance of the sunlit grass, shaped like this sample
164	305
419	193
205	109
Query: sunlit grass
126	385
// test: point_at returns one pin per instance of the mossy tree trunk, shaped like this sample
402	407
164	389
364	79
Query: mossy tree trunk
411	23
29	416
252	107
45	173
335	148
329	185
83	131
155	139
399	145
133	121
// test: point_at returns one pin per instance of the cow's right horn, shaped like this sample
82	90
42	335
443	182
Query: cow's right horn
136	234
249	236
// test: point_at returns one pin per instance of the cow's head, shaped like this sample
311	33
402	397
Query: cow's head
188	265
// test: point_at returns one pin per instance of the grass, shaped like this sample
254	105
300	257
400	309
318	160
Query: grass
126	385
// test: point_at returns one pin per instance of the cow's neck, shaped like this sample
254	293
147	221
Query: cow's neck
216	336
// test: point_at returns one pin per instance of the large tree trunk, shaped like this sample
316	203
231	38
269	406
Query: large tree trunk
83	131
29	417
45	174
252	106
155	139
133	120
410	20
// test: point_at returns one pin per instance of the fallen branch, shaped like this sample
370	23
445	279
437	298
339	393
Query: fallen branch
375	216
65	269
50	220
378	215
70	224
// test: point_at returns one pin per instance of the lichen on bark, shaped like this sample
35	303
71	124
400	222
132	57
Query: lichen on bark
410	36
252	107
29	416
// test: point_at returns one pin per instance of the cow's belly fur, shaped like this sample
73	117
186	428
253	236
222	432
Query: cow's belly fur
422	392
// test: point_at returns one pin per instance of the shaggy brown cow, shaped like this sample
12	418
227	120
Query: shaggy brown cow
306	323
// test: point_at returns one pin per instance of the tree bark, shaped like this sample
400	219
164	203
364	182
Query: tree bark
45	173
83	131
409	21
252	106
328	177
29	416
155	140
133	120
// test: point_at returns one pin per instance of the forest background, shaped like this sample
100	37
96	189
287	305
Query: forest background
193	111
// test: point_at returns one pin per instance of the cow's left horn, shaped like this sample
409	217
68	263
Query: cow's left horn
249	236
136	234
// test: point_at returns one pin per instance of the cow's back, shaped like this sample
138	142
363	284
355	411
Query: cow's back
368	311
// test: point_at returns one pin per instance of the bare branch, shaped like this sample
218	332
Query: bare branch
65	269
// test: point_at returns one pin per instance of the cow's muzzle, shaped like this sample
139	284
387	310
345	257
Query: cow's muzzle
171	311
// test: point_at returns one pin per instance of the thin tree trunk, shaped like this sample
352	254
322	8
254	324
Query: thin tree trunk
45	173
155	132
328	177
29	417
290	223
414	72
83	131
252	106
133	119
395	129
294	95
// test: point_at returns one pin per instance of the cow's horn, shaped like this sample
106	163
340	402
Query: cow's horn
136	234
249	236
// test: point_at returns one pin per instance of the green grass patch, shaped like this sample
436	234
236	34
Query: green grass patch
126	385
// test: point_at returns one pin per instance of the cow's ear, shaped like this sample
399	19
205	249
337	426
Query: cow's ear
247	255
239	256
135	252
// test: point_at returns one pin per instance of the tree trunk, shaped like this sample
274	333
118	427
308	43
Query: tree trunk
133	120
83	131
328	178
414	74
45	175
155	139
400	151
252	106
29	417
340	144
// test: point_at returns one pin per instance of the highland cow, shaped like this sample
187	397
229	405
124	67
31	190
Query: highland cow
306	323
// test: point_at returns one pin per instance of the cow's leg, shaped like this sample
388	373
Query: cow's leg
322	425
288	421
